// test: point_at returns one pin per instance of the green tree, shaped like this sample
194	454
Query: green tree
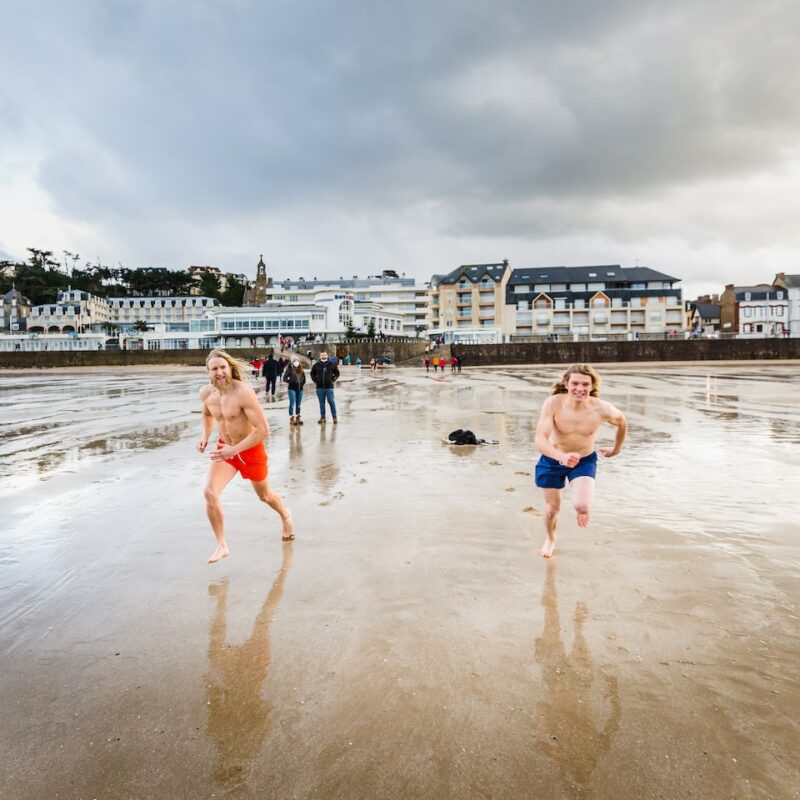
140	325
209	285
234	292
371	329
351	331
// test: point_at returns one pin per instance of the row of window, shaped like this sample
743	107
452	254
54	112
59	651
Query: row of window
597	286
264	324
597	302
761	311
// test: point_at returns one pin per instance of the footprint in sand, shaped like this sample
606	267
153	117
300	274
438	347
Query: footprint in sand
532	510
495	464
337	496
510	489
522	473
363	480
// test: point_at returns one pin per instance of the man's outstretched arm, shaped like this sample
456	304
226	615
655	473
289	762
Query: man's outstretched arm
616	417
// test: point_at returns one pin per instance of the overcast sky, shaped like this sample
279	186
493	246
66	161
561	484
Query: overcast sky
342	138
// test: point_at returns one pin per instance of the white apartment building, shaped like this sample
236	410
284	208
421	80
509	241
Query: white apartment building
598	302
330	317
791	285
395	296
74	311
125	311
753	312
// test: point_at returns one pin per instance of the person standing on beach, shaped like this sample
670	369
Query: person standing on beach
325	374
270	370
565	435
233	407
295	376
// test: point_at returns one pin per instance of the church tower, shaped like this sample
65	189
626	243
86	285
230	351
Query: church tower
256	294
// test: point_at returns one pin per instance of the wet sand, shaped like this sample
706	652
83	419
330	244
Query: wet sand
410	643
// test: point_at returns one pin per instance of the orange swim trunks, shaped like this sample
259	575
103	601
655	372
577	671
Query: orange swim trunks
251	463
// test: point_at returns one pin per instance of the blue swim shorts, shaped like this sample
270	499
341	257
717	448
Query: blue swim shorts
550	474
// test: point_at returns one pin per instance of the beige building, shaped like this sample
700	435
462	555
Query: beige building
468	304
74	311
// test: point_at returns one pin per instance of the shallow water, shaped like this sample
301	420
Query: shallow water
410	643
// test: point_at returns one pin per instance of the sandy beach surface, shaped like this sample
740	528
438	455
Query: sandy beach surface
410	643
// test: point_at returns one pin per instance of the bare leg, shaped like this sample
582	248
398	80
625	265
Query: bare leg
582	493
552	505
273	501
219	477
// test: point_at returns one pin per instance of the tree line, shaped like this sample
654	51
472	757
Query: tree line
41	277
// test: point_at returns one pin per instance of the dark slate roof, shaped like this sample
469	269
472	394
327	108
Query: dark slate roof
792	281
603	272
474	272
15	294
758	292
708	310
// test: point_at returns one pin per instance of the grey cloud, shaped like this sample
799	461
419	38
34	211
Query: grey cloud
514	116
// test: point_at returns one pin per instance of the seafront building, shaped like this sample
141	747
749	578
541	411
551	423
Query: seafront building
754	311
74	311
381	300
791	285
494	303
14	311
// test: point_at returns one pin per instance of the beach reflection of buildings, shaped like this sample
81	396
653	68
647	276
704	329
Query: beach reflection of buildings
238	713
573	735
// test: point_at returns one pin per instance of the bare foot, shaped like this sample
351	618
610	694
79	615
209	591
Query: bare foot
288	528
220	553
583	519
548	547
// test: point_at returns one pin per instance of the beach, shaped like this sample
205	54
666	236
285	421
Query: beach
410	643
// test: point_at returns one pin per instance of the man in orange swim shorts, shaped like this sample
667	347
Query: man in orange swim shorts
232	405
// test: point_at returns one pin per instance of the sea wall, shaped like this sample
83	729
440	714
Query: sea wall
610	352
399	351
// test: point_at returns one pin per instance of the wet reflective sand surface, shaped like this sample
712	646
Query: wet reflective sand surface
410	643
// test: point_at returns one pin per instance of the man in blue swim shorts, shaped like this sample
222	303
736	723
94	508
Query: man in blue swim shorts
565	436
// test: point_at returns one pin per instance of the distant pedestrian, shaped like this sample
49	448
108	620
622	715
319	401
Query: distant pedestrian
347	360
442	362
435	363
270	370
459	358
324	374
358	363
427	363
295	377
373	364
453	363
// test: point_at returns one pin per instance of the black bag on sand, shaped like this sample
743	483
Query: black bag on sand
463	437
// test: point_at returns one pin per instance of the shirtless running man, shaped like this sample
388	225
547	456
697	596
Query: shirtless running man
233	406
565	434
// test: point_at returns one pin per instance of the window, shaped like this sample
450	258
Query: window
541	287
636	302
779	311
578	287
292	298
655	316
579	303
521	289
561	303
747	296
595	287
780	295
522	305
638	286
616	302
748	312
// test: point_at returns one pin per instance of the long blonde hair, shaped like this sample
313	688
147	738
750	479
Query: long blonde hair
238	367
560	387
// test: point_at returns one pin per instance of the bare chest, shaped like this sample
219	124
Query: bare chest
225	407
577	423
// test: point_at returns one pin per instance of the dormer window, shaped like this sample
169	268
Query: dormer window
592	274
747	295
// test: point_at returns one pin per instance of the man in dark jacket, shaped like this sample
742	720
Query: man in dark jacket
270	370
325	374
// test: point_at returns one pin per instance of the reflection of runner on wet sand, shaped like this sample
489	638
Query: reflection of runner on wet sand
571	733
565	436
238	715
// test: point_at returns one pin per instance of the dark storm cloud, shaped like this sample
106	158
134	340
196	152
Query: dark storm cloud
207	110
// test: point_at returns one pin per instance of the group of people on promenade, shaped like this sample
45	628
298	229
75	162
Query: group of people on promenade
565	434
